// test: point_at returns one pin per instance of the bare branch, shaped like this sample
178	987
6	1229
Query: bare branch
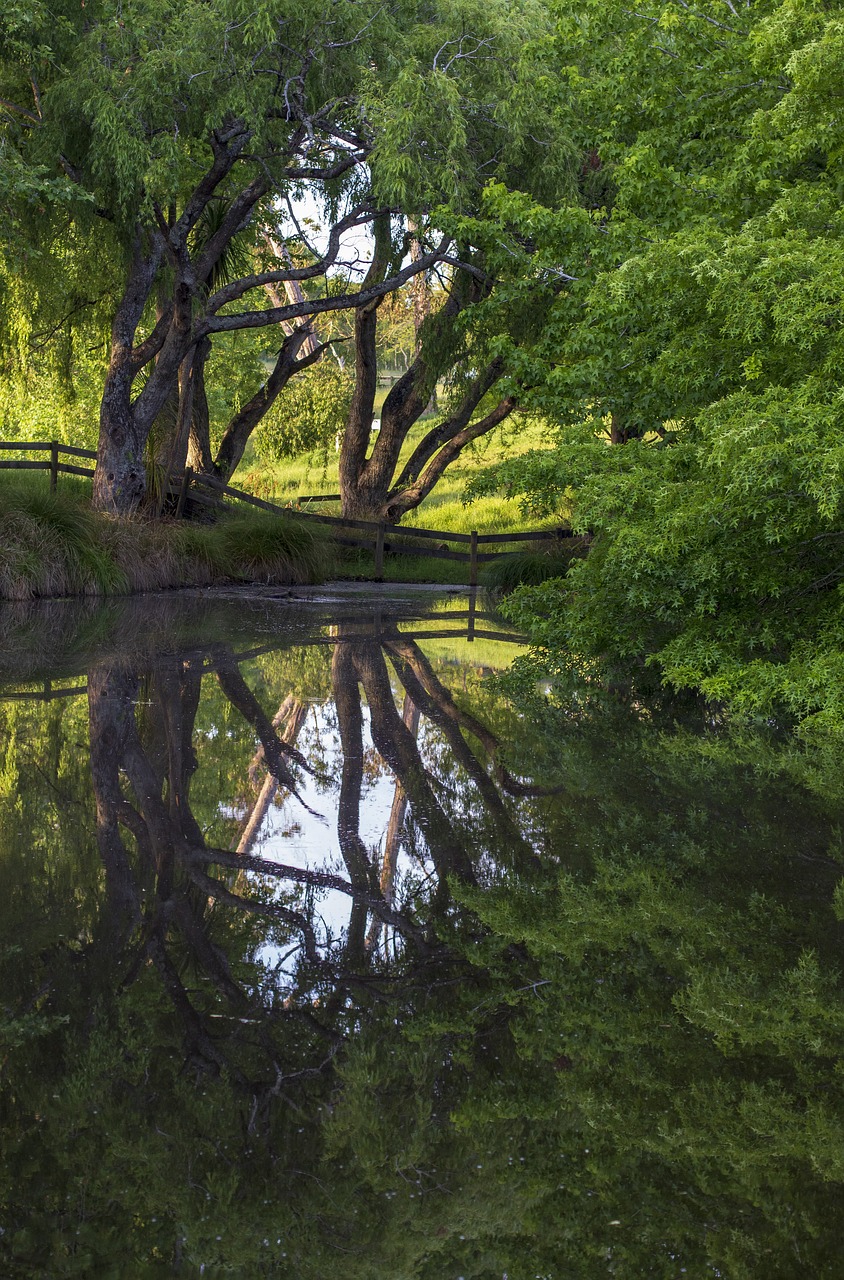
315	306
484	276
712	21
344	44
231	292
152	344
21	111
226	145
480	43
306	172
36	93
236	216
445	431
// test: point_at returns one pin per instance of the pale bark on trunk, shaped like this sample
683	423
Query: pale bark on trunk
437	704
200	457
277	752
293	292
291	715
398	813
395	831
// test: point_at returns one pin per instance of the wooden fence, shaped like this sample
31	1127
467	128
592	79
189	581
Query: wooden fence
379	537
51	464
382	539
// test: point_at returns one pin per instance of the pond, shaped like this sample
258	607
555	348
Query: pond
333	945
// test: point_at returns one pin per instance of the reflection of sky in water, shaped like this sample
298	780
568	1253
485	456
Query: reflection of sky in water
291	835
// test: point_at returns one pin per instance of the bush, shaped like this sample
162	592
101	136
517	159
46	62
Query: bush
527	568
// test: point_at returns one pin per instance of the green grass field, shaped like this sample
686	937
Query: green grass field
444	508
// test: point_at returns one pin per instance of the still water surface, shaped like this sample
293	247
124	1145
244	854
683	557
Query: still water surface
325	954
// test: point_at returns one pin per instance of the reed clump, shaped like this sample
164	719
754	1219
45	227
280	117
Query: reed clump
54	544
530	567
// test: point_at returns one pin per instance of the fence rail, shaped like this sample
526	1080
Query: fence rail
368	535
376	536
51	464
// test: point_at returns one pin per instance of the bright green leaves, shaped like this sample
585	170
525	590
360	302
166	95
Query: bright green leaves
310	413
708	322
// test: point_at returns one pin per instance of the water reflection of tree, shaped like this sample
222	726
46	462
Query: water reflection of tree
616	1058
162	891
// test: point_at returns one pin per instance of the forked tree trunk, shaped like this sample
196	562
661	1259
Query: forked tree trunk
373	486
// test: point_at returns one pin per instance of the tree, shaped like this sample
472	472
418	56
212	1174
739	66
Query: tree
703	337
158	118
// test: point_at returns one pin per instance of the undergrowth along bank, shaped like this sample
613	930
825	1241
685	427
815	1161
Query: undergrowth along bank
54	544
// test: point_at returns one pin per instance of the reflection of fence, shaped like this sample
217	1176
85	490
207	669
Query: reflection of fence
378	630
46	694
51	464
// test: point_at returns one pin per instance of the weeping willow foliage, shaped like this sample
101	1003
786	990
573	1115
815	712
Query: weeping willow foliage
431	102
310	414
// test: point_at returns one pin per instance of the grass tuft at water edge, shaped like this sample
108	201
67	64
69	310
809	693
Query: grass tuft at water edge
54	544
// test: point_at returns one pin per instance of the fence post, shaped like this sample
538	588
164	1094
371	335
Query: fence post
54	465
379	553
183	491
473	584
473	560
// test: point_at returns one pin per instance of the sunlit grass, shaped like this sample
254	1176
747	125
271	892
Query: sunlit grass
444	508
54	544
493	655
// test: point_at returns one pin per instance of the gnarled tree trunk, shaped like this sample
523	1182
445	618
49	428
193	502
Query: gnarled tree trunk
371	485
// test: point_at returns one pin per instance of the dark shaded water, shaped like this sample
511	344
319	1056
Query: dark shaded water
322	955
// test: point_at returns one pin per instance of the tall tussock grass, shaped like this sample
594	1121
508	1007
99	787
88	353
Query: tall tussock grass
53	544
529	568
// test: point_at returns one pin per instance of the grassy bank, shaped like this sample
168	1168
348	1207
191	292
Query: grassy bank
53	544
444	508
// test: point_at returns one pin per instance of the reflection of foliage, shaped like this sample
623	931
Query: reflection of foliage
613	1053
309	413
